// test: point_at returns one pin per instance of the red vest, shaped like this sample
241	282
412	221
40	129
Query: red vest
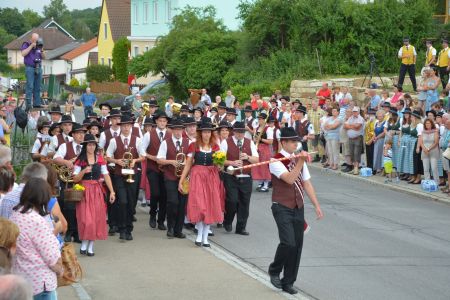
61	140
284	193
108	137
105	123
233	153
135	131
70	153
153	148
169	170
120	150
302	128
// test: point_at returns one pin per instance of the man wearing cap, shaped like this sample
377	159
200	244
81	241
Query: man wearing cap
150	144
443	63
303	127
105	109
355	131
290	181
125	190
240	151
66	156
167	158
430	56
55	114
408	55
63	137
231	116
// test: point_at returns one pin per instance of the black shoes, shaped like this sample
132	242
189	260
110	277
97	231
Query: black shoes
228	228
170	233
189	226
128	237
134	219
199	244
242	232
152	222
289	289
162	227
206	245
112	230
180	235
275	280
219	225
123	236
83	252
90	254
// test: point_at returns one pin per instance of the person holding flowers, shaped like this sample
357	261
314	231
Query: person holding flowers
240	151
206	192
91	211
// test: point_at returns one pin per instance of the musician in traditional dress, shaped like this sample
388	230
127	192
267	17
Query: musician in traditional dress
55	114
150	144
95	128
191	129
221	113
39	151
66	156
223	131
125	186
105	109
240	152
91	217
303	127
250	122
184	111
263	140
64	137
290	180
231	116
149	125
169	151
206	193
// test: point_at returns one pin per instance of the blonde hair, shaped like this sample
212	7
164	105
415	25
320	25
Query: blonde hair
8	234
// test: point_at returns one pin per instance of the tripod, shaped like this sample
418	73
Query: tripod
373	69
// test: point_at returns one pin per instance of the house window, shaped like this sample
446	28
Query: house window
155	11
109	62
105	30
103	61
135	12
145	12
169	10
136	51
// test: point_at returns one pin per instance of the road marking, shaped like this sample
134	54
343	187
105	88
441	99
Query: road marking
248	269
81	292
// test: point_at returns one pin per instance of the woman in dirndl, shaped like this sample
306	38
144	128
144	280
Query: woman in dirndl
206	201
392	132
91	210
404	154
378	142
416	157
262	173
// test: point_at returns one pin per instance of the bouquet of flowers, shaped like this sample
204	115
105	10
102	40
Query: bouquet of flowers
219	159
78	187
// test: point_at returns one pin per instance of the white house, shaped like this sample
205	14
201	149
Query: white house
54	64
77	60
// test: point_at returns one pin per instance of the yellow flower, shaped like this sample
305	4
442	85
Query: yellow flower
78	187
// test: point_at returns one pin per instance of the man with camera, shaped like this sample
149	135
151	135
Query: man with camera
33	53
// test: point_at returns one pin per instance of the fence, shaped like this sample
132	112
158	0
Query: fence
110	87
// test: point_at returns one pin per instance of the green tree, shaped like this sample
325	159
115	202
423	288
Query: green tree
98	73
57	10
197	52
120	59
5	38
32	18
12	21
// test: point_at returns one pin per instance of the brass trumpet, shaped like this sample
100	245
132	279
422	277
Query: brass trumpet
181	162
127	170
259	134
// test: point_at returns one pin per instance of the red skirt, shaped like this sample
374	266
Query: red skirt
91	212
206	201
144	184
262	172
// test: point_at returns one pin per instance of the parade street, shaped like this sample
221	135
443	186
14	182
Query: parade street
372	244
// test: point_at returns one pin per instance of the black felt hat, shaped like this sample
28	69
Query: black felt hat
184	107
301	109
189	121
231	111
222	104
239	127
149	121
76	128
223	124
153	103
89	138
114	113
66	119
55	109
416	114
407	110
126	119
393	111
288	133
161	115
262	116
248	108
386	104
176	123
205	126
105	104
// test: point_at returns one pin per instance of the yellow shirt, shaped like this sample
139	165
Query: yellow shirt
429	55
443	58
408	50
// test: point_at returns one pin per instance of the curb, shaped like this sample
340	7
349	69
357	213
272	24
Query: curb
399	188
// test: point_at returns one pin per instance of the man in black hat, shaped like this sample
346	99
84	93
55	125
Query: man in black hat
150	144
250	122
66	156
118	151
303	127
231	116
106	136
184	110
290	181
105	109
169	151
55	114
408	56
63	137
221	113
191	129
240	151
443	63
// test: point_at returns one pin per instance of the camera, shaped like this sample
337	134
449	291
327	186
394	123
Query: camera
40	43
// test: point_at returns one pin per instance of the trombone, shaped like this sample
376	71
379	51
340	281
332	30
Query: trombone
259	134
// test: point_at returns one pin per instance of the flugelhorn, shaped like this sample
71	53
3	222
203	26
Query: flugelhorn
127	170
181	162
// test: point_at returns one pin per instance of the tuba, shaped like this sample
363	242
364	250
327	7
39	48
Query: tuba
176	108
127	170
65	173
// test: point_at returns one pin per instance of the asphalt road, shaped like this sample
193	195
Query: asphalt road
372	243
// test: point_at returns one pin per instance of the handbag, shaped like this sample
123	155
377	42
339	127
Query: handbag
72	269
446	153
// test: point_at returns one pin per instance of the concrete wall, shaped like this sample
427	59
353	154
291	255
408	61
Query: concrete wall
15	58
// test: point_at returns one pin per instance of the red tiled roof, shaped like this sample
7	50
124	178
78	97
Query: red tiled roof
86	47
119	13
53	38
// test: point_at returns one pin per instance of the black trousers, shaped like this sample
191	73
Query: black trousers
305	146
443	74
369	155
290	224
125	198
411	69
237	200
69	211
158	197
176	206
112	208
